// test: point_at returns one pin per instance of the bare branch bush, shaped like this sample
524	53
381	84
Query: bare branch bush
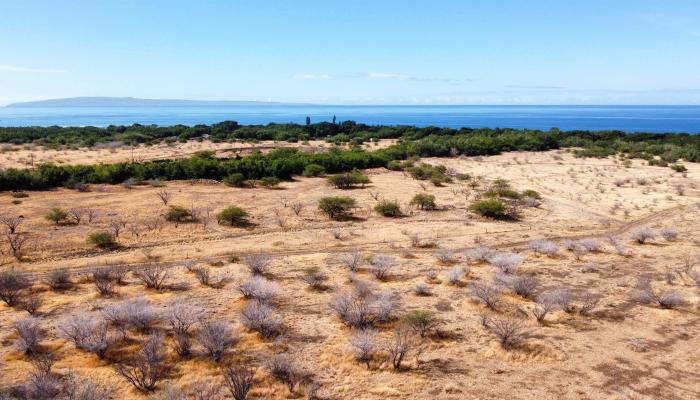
381	265
285	369
642	235
59	279
668	299
510	332
216	337
399	346
364	343
238	380
13	284
353	260
454	275
545	247
153	276
489	294
257	263
506	262
147	367
261	318
29	335
259	288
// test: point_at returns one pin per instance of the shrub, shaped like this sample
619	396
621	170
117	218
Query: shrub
388	208
269	181
381	265
314	278
314	170
235	180
546	303
353	260
29	335
533	194
590	244
421	289
59	279
641	235
678	167
348	180
545	247
104	280
31	304
445	256
216	337
238	381
365	344
399	346
668	299
234	216
11	222
506	262
481	254
285	369
152	276
354	310
420	321
489	208
336	207
454	275
102	239
510	332
424	201
57	215
147	367
178	214
12	285
258	288
261	318
490	295
87	333
669	234
257	263
588	302
523	285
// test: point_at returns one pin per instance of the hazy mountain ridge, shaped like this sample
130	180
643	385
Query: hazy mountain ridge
135	102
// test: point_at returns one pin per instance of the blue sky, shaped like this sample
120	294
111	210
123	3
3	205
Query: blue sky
354	52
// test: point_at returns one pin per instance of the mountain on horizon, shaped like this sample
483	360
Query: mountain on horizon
135	102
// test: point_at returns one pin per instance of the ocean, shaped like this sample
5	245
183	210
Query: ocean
626	118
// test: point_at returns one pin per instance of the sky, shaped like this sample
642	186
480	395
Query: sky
354	51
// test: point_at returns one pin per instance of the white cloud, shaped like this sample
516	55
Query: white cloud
379	75
15	68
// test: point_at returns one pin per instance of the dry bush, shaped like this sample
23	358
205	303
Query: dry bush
454	275
421	321
353	260
59	279
285	369
238	380
399	346
381	265
489	294
181	316
206	278
259	288
668	299
87	333
590	244
546	303
135	313
16	243
257	263
353	310
480	254
421	289
588	301
216	337
164	196
104	280
11	222
29	335
41	385
510	332
147	367
205	389
642	235
80	388
13	284
297	208
545	247
523	285
445	256
385	306
261	318
31	303
506	262
314	278
153	276
669	234
364	343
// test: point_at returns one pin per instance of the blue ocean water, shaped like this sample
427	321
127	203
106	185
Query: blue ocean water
626	118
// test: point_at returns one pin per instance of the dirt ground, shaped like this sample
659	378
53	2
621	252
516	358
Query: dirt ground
622	350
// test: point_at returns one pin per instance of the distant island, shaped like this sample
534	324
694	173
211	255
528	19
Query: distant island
135	102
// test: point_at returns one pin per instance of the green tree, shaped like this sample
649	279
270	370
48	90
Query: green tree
388	209
101	239
489	208
424	201
234	216
177	214
56	215
336	206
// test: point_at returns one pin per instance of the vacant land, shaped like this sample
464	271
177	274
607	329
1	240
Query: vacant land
587	289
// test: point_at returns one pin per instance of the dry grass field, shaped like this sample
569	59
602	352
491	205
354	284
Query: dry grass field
620	317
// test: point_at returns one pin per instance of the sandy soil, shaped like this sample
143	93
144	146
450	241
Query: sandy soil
623	350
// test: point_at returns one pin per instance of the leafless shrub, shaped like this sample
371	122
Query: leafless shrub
205	389
489	294
314	278
523	285
147	367
104	280
205	277
545	247
352	260
588	302
510	332
641	235
669	234
11	222
546	303
454	275
297	208
590	244
116	226
153	276
16	243
381	265
421	289
29	335
445	256
78	213
506	262
257	263
259	288
399	346
216	337
668	299
31	304
41	385
353	310
59	279
261	318
385	305
570	245
135	313
164	196
285	369
531	202
87	333
81	388
238	381
12	285
337	233
364	343
480	254
362	288
181	316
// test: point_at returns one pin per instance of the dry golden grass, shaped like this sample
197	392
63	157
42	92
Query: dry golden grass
623	350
